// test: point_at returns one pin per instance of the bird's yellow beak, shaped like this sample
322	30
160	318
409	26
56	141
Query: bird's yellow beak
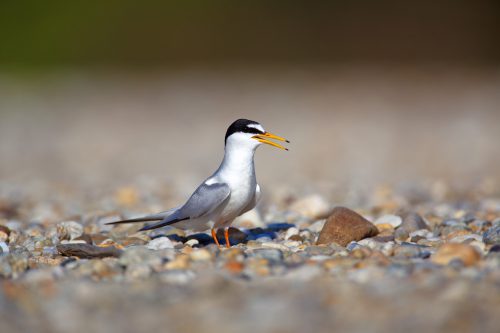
264	138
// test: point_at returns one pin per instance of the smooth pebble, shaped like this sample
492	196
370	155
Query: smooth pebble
160	243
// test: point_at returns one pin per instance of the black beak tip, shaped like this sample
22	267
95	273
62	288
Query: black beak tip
287	141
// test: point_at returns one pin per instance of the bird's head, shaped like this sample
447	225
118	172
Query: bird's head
251	134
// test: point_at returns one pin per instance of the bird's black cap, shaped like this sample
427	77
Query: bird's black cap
241	125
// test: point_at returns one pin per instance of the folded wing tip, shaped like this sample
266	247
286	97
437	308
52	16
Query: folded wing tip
141	219
113	222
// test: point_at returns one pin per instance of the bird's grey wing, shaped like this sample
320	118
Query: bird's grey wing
203	201
153	217
251	205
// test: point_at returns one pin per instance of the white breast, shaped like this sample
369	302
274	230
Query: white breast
238	172
242	193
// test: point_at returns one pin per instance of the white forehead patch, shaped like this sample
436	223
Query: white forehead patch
257	126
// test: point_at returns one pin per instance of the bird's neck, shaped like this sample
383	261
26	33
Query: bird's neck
238	160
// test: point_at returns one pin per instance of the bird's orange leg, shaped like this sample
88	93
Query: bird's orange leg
214	236
226	236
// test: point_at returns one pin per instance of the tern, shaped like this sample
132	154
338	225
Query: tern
228	193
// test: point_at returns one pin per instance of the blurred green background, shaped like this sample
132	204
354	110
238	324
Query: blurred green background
127	33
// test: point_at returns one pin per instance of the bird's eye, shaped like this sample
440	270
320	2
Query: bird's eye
254	130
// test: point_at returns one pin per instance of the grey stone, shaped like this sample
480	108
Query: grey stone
413	222
14	263
492	235
409	250
273	255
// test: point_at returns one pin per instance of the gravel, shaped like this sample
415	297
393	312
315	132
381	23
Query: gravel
73	273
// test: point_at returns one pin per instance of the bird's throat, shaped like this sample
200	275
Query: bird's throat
237	160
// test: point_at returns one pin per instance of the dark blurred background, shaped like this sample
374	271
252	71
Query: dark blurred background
368	91
127	33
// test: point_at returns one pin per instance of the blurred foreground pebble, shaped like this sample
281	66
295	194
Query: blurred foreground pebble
303	258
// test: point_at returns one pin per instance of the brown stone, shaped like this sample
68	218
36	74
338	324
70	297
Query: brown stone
87	251
234	267
344	226
296	238
5	229
383	238
456	251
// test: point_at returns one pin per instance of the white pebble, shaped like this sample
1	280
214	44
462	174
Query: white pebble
388	248
317	226
370	243
192	242
79	241
69	230
160	243
394	220
422	233
4	248
291	232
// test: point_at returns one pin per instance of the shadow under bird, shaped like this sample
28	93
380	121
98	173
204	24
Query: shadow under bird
231	191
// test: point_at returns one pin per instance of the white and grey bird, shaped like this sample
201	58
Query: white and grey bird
231	191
